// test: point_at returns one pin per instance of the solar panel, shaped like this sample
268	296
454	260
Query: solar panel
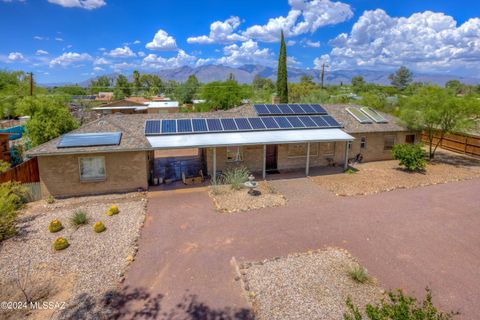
307	108
270	123
257	123
274	109
359	115
169	126
229	125
72	140
296	123
307	121
377	117
243	124
288	109
199	125
214	125
319	121
318	109
184	125
285	109
296	109
152	127
331	121
283	122
261	109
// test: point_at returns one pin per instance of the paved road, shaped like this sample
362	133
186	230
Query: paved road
408	239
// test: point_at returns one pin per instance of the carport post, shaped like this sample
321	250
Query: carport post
307	166
264	166
214	164
345	166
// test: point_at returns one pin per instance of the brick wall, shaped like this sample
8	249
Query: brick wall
125	171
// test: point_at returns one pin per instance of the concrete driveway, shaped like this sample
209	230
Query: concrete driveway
408	239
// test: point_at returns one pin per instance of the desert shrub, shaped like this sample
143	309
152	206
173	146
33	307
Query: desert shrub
350	171
359	274
236	177
79	218
55	226
397	306
50	199
60	244
4	166
113	210
12	198
216	186
411	156
99	227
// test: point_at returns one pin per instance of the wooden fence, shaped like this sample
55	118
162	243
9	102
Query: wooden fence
456	142
26	172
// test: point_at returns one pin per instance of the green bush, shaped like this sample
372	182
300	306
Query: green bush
99	227
411	156
397	306
60	244
12	198
79	218
359	274
236	177
4	166
55	226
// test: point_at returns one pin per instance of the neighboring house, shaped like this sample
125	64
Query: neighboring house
104	96
131	106
116	152
162	106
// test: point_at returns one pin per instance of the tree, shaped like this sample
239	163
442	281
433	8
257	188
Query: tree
102	83
187	91
282	76
436	110
454	85
260	83
358	83
222	95
122	88
298	90
152	84
50	118
137	84
401	78
411	156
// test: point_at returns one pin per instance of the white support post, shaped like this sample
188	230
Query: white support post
345	166
307	166
214	176
264	167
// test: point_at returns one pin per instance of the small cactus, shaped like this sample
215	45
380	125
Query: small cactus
113	210
50	199
60	244
99	227
55	226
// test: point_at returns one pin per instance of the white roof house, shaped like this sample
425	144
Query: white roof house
162	104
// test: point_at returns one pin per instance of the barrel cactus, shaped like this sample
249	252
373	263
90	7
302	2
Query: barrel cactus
99	227
60	244
55	226
113	210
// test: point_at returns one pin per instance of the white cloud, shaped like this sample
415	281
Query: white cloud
220	32
16	57
307	43
58	39
124	52
69	58
137	42
97	69
141	54
41	52
84	4
247	53
292	61
100	61
305	16
162	41
40	38
424	41
152	61
119	67
291	43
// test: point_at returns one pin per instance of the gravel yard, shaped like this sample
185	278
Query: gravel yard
311	285
229	200
380	176
92	264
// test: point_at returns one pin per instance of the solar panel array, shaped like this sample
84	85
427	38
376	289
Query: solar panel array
359	115
90	139
289	109
207	125
367	115
377	117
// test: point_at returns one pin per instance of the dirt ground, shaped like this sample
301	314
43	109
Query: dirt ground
381	176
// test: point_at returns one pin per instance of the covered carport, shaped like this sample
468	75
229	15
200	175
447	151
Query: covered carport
249	138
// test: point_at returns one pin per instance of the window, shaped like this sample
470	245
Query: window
363	143
328	148
92	168
349	145
300	150
388	142
234	154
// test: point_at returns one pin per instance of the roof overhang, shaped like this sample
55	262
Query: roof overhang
247	138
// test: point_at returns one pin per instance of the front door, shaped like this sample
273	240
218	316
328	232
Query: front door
271	157
410	138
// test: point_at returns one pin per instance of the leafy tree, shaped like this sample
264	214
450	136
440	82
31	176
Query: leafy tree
435	109
298	90
454	85
187	91
358	84
374	100
222	95
260	83
12	198
170	88
137	84
401	78
122	88
75	90
317	96
152	84
411	156
282	76
101	84
50	118
398	307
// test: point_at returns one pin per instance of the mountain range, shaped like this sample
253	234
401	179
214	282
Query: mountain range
246	73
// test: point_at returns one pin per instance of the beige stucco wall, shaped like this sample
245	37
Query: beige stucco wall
253	155
163	110
125	171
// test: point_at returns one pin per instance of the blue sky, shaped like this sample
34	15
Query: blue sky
73	40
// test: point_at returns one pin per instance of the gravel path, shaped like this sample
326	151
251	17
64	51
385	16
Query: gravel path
312	285
94	263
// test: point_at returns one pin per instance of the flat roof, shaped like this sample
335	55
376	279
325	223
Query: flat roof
247	138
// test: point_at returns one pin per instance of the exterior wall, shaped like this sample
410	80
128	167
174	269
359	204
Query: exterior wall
253	155
125	171
163	110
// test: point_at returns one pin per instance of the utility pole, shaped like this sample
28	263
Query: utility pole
31	83
323	73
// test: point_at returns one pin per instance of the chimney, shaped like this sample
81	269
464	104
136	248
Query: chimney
275	99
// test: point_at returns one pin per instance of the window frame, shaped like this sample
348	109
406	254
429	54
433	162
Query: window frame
385	148
82	179
363	143
239	152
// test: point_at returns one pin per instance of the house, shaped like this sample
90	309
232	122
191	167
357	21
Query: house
162	106
117	152
137	105
104	96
